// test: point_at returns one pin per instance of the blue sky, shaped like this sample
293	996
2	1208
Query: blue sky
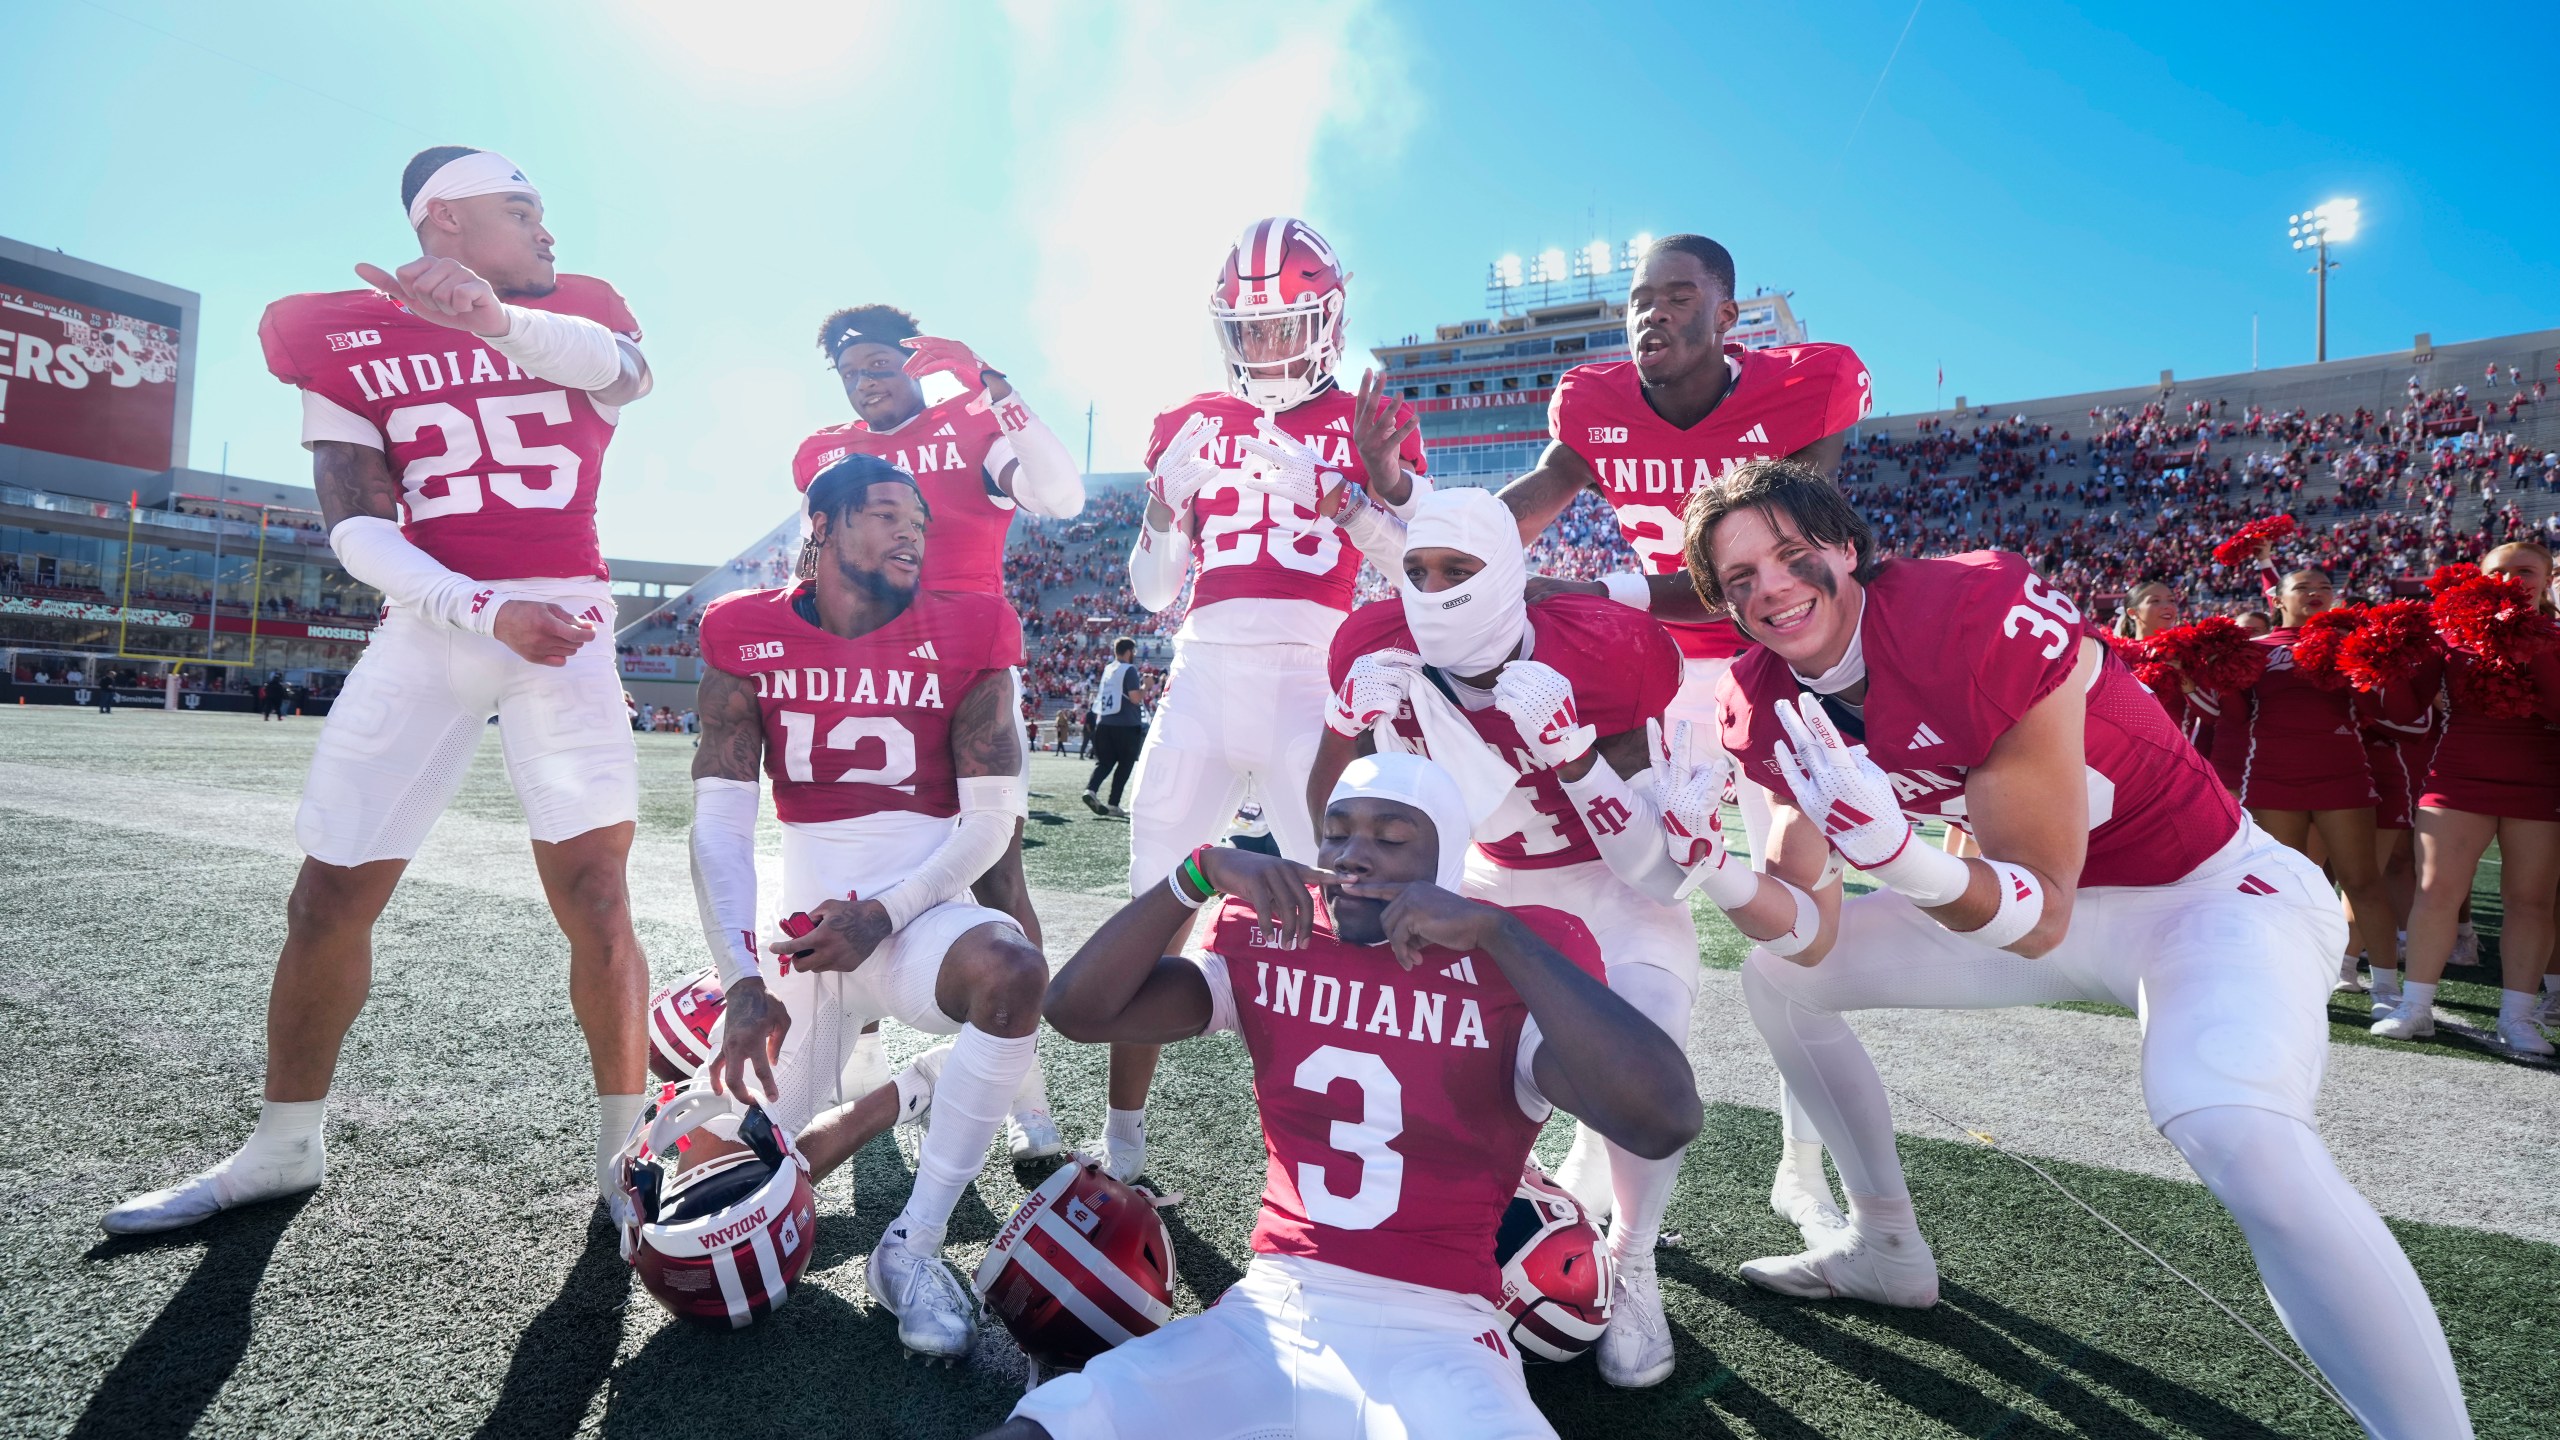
2045	199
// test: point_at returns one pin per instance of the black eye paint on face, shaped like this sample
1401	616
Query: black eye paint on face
1810	569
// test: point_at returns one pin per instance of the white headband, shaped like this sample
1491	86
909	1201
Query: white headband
1470	628
1415	781
482	172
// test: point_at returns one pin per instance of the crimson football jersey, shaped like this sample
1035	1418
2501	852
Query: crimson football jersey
1392	1126
1623	669
1253	546
1957	649
498	469
862	725
1781	400
946	448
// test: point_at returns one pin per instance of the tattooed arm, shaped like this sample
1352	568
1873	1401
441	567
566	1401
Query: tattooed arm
359	500
732	745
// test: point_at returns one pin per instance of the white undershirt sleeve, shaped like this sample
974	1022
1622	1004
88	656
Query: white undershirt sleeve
1379	534
722	844
1222	991
1045	478
574	351
1626	826
977	842
1532	1101
326	419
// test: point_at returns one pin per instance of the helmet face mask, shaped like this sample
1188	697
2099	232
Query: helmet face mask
717	1213
1278	308
1556	1274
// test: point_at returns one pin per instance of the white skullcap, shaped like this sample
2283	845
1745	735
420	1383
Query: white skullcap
1415	781
482	172
1471	628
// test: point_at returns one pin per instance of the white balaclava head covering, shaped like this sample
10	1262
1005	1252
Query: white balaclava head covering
1415	781
1471	628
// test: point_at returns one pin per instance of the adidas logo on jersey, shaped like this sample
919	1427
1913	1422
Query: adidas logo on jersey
1756	435
923	652
947	429
1924	737
1464	971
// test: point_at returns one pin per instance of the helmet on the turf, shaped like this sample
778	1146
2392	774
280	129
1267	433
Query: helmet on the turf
1278	306
717	1211
1083	1265
1555	1270
682	1017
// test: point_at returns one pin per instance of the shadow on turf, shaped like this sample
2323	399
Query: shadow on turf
180	1362
566	1354
2030	1355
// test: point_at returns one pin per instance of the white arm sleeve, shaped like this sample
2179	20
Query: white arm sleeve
1413	501
723	845
1222	991
1626	825
978	841
374	551
573	351
1045	478
1378	533
326	419
1157	564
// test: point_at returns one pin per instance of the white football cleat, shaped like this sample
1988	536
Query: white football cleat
937	1317
1585	1175
2349	982
2548	1017
2521	1038
1033	1135
1635	1350
1123	1160
224	1187
2406	1022
1805	1201
1848	1265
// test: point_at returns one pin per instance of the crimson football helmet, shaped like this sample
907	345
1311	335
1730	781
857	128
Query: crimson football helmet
716	1209
1083	1265
1555	1270
682	1017
1278	306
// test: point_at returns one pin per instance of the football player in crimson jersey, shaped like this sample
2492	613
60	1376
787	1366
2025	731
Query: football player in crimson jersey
1406	1045
1261	488
978	456
1542	710
884	716
2112	866
1646	433
457	413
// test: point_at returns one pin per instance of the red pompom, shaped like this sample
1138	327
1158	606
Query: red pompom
2243	545
2316	655
2213	653
2395	638
2493	618
2446	576
2157	678
2497	692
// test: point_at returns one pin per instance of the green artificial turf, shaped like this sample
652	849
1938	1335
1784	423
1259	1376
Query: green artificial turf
452	1279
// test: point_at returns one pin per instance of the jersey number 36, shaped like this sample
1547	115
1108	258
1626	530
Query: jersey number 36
2047	615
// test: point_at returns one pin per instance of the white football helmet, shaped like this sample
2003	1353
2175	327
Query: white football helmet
1278	306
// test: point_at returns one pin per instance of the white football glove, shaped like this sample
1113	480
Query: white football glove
1185	465
1839	788
1289	467
1538	701
1372	692
1691	799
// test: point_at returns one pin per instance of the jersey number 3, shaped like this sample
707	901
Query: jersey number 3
1369	1203
499	418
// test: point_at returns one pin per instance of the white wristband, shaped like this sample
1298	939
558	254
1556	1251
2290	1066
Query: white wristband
1928	875
1629	589
2021	906
1808	925
1727	882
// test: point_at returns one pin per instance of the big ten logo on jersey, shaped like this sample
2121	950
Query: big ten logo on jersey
354	339
2048	618
760	650
1422	1016
1608	434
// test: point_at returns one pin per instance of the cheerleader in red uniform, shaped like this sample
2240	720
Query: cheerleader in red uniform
2495	776
2150	608
2291	749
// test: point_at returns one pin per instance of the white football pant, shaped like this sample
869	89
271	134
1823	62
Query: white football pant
1233	718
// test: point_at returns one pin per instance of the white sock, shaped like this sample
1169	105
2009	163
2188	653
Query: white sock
1883	1217
283	1154
2518	1006
968	1106
1804	1157
2418	995
1126	1127
2551	983
615	1115
1031	1097
2386	980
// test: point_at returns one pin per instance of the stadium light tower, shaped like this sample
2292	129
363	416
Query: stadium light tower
2316	229
1502	278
